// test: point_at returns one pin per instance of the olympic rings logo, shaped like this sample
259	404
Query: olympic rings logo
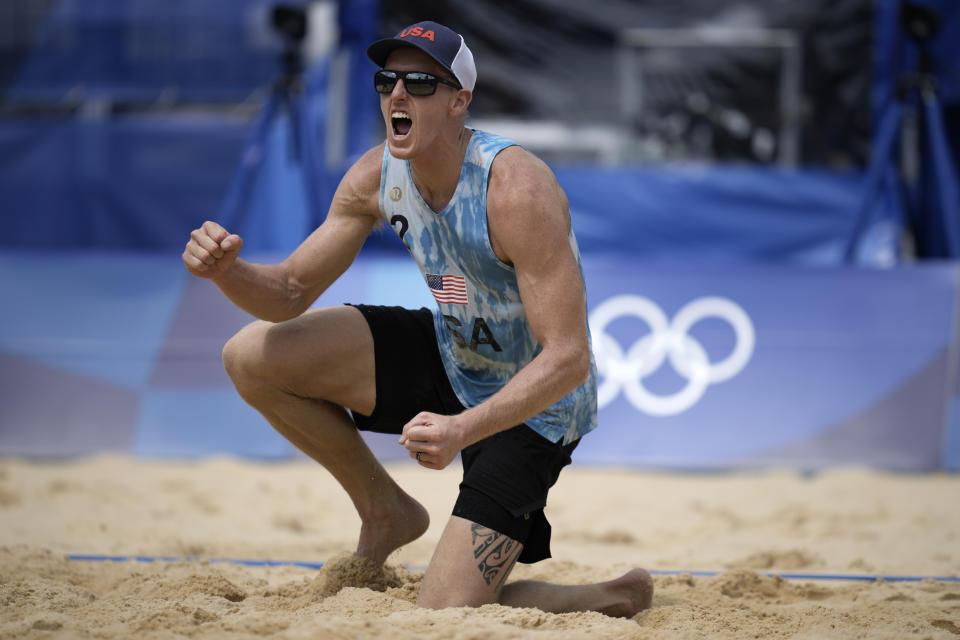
626	370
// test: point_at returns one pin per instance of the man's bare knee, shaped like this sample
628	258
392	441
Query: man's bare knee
325	354
242	354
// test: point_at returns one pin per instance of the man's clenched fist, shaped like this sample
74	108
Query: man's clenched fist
211	250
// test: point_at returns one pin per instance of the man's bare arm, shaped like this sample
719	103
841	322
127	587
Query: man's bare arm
282	291
529	225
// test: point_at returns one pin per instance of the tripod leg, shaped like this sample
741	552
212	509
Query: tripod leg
943	177
883	147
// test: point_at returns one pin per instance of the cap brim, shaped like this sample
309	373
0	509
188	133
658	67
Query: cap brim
380	49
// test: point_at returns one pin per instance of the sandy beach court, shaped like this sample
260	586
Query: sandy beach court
749	528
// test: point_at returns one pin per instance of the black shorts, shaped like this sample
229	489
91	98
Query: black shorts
506	477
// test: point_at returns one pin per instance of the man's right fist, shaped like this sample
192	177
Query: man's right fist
211	250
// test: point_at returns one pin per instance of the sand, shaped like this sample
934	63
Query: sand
750	527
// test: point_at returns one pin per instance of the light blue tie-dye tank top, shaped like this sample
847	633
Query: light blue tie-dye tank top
481	327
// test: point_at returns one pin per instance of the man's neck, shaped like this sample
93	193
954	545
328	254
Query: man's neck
437	173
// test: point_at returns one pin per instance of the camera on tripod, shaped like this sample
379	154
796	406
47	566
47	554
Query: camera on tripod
921	24
290	21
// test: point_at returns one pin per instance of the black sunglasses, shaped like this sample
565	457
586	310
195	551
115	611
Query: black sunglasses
417	83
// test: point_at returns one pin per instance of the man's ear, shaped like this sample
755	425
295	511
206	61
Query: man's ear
460	102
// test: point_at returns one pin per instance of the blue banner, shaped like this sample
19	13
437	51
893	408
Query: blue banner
726	367
746	365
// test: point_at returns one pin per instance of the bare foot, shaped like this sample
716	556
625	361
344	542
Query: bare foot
403	521
621	598
632	593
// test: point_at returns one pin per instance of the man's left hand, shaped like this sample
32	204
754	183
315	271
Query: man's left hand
434	437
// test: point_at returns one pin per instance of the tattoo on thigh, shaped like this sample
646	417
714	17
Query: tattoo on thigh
496	553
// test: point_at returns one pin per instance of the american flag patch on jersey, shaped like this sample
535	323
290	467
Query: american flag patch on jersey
448	289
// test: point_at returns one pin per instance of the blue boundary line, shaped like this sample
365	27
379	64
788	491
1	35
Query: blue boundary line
655	572
249	563
815	576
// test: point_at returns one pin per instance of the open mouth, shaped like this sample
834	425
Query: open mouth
401	123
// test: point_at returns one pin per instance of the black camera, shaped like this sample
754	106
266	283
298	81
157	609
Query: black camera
290	21
919	22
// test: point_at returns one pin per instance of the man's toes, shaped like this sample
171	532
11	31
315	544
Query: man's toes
642	588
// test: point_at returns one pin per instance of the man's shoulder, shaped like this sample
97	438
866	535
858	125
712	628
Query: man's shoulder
364	175
517	173
359	190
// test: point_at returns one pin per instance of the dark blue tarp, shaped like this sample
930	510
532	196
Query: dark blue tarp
145	182
135	50
715	212
137	182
